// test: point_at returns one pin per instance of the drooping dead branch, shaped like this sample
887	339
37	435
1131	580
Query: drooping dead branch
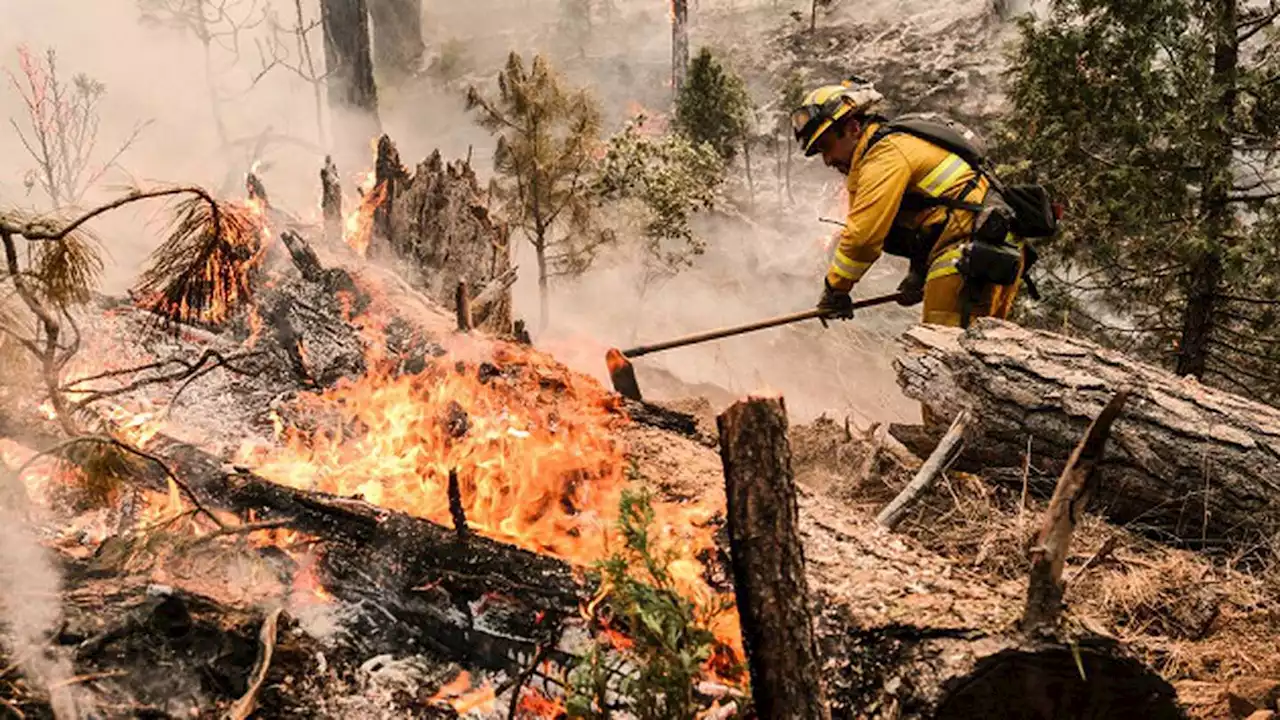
1075	485
203	269
244	707
209	360
60	451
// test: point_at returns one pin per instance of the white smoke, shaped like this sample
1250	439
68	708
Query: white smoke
30	608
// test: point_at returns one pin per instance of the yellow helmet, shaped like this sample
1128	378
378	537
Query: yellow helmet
827	104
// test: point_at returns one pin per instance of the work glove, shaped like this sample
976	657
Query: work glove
835	304
911	288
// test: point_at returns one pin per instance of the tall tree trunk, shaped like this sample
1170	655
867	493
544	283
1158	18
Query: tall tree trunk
544	298
353	97
1204	277
679	45
397	37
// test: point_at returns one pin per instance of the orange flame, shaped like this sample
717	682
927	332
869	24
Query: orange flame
358	225
459	693
534	704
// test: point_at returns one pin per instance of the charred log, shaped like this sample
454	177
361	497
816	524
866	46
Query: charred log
479	601
439	229
1191	464
331	201
768	561
389	175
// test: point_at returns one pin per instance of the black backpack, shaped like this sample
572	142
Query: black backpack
1032	212
1034	215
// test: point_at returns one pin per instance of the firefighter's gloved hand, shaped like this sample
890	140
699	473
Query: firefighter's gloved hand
835	304
911	289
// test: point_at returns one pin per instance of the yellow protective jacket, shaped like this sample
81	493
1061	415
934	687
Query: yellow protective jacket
879	180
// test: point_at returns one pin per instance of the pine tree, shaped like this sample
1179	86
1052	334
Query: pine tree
547	139
1155	122
713	106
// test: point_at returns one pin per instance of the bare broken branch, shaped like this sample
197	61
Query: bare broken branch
1075	486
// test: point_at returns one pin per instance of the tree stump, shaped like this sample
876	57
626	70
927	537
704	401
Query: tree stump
768	561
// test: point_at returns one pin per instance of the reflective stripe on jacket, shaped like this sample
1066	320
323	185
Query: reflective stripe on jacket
879	179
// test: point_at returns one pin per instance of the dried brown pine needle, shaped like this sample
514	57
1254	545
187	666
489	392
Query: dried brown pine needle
66	270
204	269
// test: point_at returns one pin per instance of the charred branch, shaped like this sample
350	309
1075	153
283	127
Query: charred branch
331	201
462	307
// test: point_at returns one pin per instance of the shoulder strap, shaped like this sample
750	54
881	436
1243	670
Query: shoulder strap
948	135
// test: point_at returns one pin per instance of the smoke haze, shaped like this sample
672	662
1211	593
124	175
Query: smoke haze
751	270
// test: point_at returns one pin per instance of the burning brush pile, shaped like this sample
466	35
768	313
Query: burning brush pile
275	480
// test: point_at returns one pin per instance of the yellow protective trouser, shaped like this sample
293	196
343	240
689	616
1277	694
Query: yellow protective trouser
943	299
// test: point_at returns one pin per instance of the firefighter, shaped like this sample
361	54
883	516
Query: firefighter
909	197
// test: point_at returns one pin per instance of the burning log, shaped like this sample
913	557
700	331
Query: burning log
768	561
1043	387
410	569
388	175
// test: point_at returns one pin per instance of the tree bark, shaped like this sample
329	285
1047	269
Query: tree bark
1204	275
397	37
768	561
331	202
439	231
544	292
353	96
1194	464
679	45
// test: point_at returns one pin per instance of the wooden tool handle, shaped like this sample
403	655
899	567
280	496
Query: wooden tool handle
750	327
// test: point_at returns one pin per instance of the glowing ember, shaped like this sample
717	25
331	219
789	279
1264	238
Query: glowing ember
459	694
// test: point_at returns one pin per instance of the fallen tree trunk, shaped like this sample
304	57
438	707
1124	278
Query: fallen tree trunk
1190	463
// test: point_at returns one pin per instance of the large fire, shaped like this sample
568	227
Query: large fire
535	450
536	457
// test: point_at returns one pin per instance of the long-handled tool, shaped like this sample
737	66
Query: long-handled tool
623	374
